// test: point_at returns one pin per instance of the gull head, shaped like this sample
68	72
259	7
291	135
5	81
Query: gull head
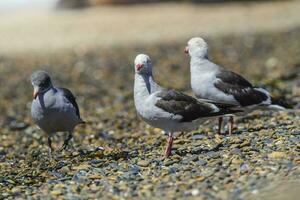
41	82
196	47
142	64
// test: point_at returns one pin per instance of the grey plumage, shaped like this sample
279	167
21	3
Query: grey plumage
40	78
53	109
212	82
169	110
68	94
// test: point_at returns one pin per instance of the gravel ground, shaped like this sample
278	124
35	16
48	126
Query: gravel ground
254	163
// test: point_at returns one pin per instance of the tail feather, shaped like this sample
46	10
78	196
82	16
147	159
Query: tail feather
224	108
276	107
81	121
278	104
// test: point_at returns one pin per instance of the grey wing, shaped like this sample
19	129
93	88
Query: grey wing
241	89
71	98
186	106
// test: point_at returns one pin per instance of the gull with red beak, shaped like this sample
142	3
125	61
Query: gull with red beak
211	82
53	109
169	110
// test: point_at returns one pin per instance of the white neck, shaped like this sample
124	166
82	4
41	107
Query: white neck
202	64
144	85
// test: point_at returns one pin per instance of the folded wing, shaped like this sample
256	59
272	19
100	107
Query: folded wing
188	107
243	92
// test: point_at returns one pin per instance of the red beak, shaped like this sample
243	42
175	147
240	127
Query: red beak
186	50
139	66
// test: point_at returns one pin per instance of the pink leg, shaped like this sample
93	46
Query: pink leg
169	147
220	125
230	125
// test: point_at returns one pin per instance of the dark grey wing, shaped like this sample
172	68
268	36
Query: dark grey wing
71	98
233	78
186	106
242	90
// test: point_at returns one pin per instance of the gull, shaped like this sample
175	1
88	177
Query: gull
211	82
53	109
169	110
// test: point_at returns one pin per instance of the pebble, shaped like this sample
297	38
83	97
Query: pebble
277	155
198	137
65	170
15	125
195	192
80	177
201	162
170	162
143	163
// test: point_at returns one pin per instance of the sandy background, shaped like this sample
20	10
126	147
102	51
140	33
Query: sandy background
45	30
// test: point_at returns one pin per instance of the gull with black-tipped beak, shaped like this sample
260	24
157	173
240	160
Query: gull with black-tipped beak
53	109
211	82
169	110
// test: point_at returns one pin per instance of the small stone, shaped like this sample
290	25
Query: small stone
65	170
190	159
244	168
11	181
15	125
80	177
195	192
56	192
173	170
277	155
95	176
82	166
59	186
200	178
201	162
75	153
15	190
134	169
197	150
236	161
244	144
198	137
255	191
95	163
170	162
143	163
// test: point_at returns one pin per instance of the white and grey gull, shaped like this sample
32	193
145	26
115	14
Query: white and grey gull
212	82
53	109
169	110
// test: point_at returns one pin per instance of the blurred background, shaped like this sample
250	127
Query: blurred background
53	25
89	46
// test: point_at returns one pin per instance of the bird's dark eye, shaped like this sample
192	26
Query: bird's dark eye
45	83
